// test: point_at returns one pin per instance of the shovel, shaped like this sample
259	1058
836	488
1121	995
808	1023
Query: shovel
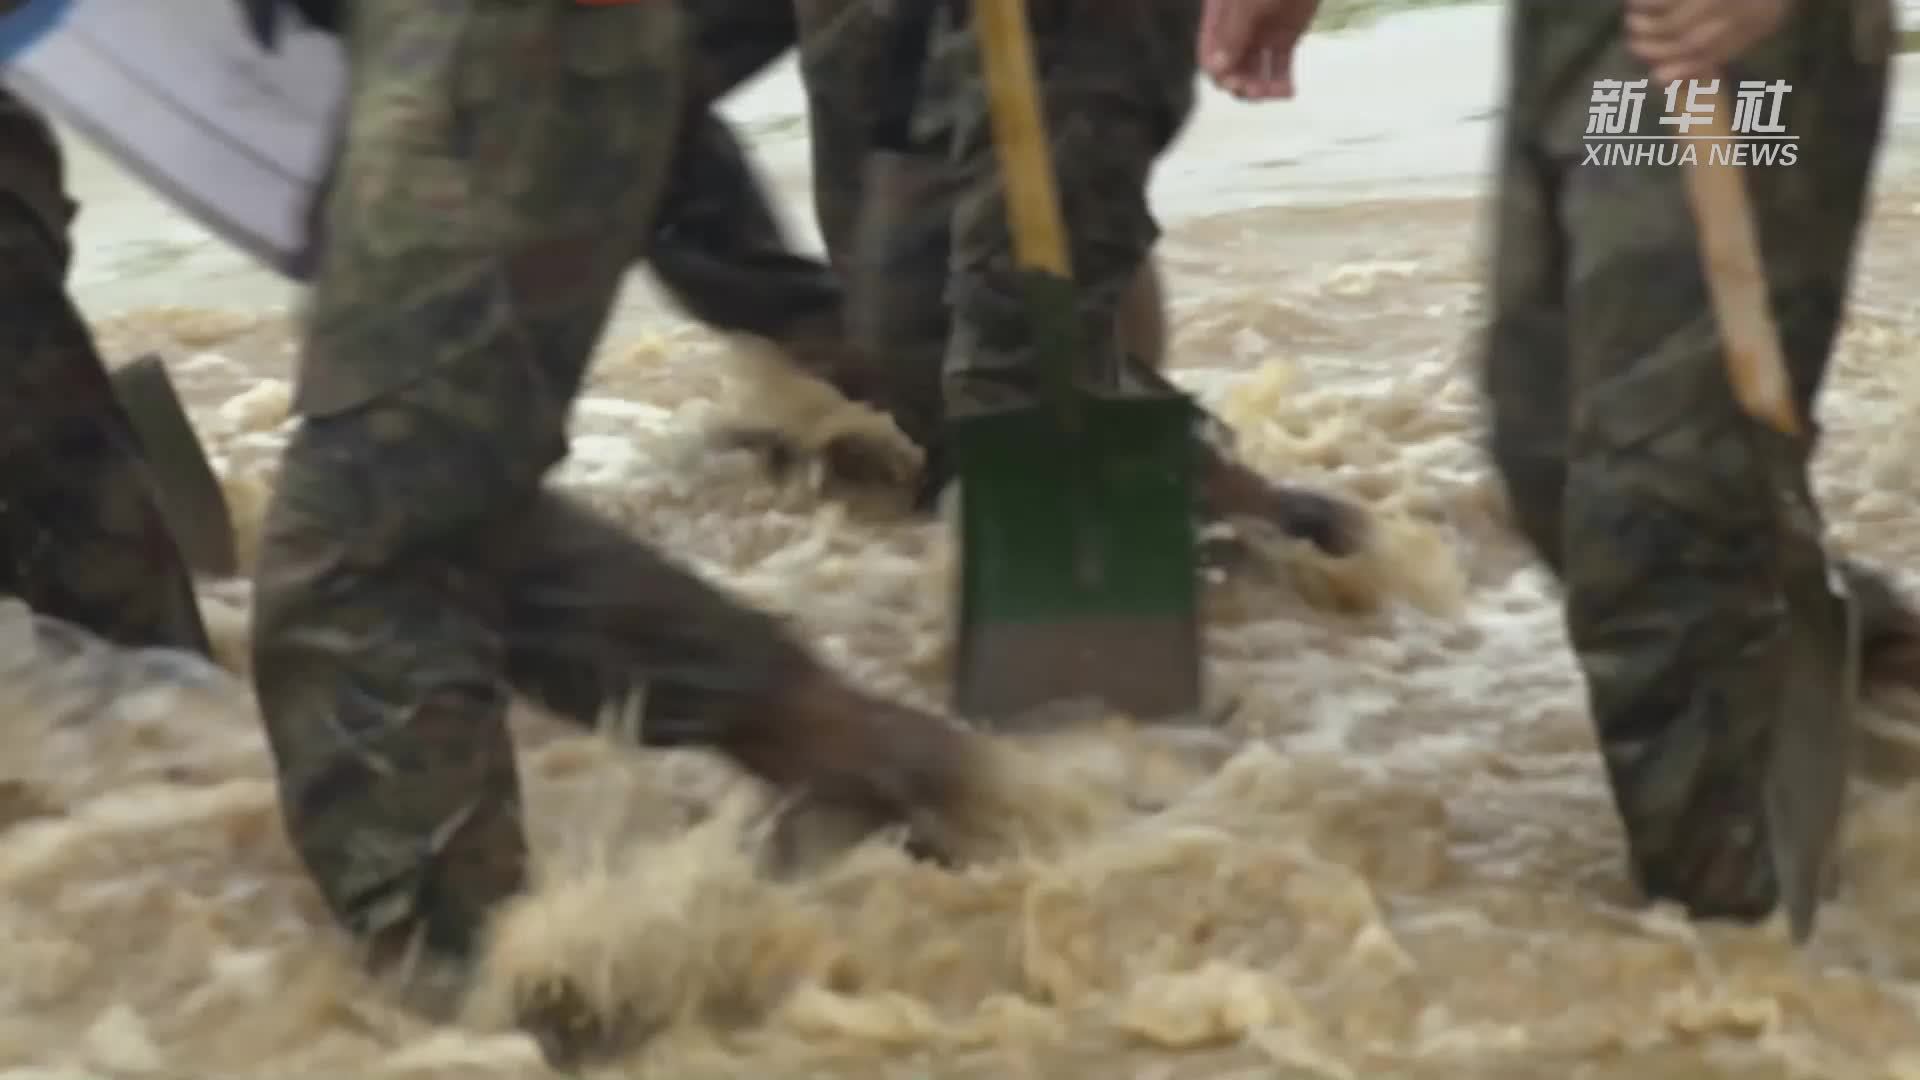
189	494
1808	765
1078	575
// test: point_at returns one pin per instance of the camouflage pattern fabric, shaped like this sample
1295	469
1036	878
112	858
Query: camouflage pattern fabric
843	67
717	245
719	248
843	74
1631	468
82	536
928	258
1117	79
413	565
899	210
888	215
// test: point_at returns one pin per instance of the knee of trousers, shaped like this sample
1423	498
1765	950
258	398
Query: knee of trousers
430	470
1683	519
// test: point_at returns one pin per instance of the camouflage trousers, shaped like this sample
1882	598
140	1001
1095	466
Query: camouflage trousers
888	215
842	68
499	160
82	536
1116	97
1117	82
913	219
719	248
1631	468
908	191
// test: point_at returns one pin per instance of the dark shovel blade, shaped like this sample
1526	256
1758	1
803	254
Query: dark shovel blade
188	491
1079	550
1806	782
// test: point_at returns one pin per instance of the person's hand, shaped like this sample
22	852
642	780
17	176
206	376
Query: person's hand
1246	46
1696	39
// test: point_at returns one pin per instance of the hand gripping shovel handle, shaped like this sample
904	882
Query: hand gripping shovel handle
1731	252
1020	136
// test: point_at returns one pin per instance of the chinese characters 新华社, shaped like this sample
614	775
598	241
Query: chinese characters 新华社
1617	106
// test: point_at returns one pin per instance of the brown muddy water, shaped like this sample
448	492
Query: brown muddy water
1408	868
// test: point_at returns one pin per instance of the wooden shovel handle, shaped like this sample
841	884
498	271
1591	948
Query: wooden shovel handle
1730	250
1020	136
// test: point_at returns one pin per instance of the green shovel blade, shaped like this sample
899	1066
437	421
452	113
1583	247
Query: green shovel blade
1078	574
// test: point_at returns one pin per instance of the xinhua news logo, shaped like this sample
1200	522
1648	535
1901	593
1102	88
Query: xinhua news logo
1754	134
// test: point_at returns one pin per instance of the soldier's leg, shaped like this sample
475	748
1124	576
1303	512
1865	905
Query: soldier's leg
720	251
886	201
82	536
843	68
718	246
1524	345
886	210
492	154
593	618
723	257
886	216
451	326
1525	357
1117	86
1689	571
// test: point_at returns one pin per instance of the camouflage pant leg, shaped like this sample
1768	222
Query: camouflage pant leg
1684	562
82	536
842	67
1117	79
1525	347
719	248
592	618
843	72
719	251
884	215
495	154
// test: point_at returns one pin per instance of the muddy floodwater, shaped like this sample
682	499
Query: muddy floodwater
1408	865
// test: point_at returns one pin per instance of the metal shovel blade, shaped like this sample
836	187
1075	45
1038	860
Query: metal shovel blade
1806	781
189	493
1078	580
